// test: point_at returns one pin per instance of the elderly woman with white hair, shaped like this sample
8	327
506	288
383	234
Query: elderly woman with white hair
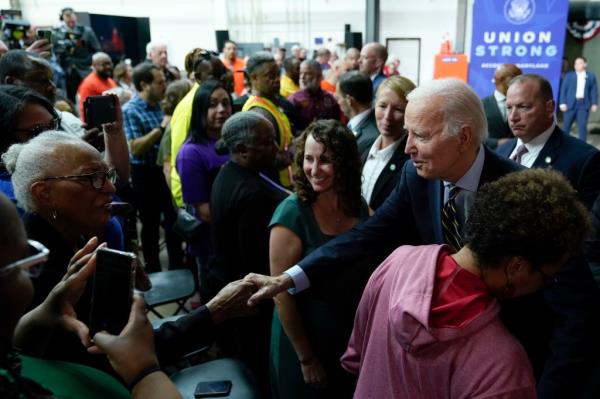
242	202
65	188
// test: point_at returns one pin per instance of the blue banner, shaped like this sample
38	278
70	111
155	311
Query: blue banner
528	33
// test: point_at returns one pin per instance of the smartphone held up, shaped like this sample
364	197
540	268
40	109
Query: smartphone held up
112	290
98	110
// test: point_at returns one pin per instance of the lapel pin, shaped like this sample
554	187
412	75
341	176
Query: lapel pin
393	167
547	160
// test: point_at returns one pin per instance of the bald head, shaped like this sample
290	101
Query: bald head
100	57
504	74
372	58
102	65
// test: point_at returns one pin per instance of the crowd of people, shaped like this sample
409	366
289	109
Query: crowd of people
417	241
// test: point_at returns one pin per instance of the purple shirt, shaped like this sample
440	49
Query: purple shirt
198	165
308	107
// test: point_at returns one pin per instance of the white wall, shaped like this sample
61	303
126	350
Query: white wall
184	24
425	19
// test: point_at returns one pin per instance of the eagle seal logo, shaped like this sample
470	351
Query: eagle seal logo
518	12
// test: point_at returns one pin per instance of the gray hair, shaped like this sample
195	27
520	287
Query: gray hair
314	65
239	129
257	59
151	45
31	161
461	105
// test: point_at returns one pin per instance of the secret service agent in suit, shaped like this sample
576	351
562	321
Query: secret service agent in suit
578	95
354	94
371	62
383	162
575	304
446	126
495	106
539	143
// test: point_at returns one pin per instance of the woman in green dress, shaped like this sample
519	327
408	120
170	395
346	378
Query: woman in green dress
311	329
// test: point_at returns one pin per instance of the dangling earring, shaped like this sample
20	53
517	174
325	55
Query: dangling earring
54	214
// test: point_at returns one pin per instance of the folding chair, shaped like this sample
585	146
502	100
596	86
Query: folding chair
168	287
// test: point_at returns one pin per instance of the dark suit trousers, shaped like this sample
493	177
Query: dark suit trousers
153	200
579	113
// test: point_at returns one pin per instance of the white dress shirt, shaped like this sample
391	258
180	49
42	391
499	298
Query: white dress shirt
357	119
533	147
580	91
376	161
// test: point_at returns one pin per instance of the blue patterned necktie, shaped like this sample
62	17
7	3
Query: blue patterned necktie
450	226
522	150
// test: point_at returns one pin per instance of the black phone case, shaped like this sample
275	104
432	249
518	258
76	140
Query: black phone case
98	110
112	292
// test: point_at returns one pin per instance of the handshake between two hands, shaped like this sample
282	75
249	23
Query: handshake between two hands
133	348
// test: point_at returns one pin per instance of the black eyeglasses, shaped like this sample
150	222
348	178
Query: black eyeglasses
96	179
33	263
41	127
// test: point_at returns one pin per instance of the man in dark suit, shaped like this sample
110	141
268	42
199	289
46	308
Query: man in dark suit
539	143
446	126
578	95
371	62
495	106
354	94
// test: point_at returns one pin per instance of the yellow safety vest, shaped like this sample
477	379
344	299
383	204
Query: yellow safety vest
285	131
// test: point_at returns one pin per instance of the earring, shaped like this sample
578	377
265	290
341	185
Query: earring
54	214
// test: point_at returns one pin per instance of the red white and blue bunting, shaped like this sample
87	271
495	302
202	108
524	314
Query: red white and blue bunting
584	30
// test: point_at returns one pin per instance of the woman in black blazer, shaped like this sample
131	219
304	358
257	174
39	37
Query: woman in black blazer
384	160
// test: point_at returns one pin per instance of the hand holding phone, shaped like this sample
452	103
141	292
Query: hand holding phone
43	34
98	110
112	290
132	350
43	43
